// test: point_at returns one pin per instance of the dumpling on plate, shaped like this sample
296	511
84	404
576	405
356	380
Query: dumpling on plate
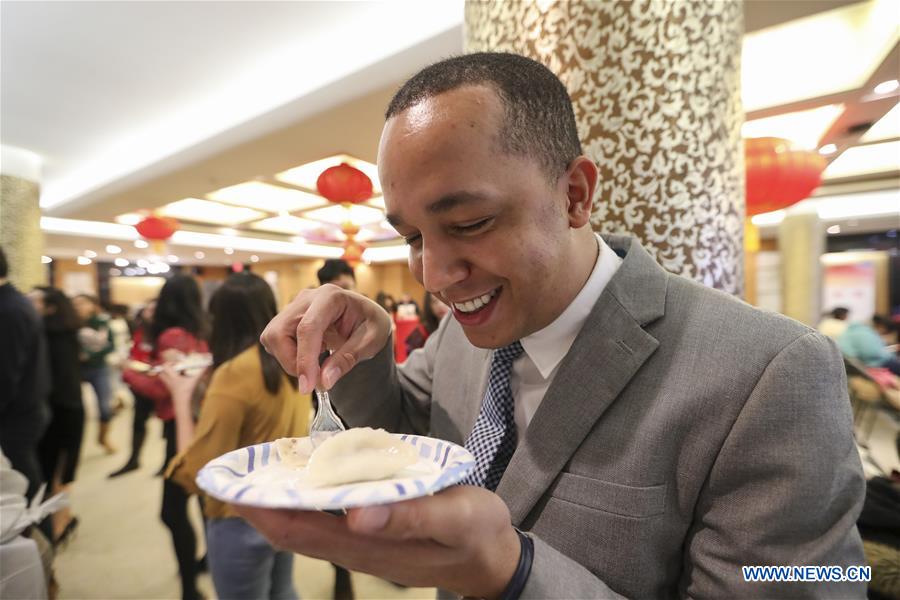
293	452
359	454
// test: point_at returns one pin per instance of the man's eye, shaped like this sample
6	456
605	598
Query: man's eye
473	227
411	240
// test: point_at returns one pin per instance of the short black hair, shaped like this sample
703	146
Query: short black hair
840	312
4	266
334	268
539	118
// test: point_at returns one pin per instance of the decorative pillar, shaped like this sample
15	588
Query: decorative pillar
656	90
20	217
801	243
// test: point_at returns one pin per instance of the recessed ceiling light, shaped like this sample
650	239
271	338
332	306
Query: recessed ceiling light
864	160
141	244
46	260
90	254
129	219
199	255
143	263
834	229
229	250
206	211
804	128
83	260
886	87
115	272
254	258
113	249
267	197
172	258
828	149
121	262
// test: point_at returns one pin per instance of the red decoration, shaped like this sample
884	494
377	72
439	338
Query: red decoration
777	175
157	228
353	251
343	184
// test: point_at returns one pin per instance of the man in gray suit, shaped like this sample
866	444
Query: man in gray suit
657	435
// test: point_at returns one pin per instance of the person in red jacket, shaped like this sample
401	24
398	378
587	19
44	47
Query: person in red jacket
179	328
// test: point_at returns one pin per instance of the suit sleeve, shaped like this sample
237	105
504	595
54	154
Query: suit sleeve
786	487
378	393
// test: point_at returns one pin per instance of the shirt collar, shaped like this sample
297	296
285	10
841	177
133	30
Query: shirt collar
547	347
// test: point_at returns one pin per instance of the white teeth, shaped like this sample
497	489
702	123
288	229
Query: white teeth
475	303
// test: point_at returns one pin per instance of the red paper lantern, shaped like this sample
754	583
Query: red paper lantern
777	175
344	184
157	228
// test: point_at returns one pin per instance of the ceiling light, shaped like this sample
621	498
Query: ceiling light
306	175
130	219
199	255
770	218
885	128
172	258
113	249
868	204
143	263
865	160
229	251
114	272
205	211
286	224
121	262
254	258
46	260
359	214
386	253
267	197
886	87
228	231
834	229
130	271
804	128
776	71
90	254
97	229
141	244
827	149
83	260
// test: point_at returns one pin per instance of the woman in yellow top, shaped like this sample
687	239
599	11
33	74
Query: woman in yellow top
249	400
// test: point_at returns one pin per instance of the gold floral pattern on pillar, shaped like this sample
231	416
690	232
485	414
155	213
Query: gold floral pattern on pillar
656	90
20	231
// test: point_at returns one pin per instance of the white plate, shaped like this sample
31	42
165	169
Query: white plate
254	476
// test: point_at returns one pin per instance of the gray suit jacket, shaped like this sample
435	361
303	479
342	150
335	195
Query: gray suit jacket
685	434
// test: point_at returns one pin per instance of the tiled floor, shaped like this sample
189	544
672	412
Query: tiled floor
122	550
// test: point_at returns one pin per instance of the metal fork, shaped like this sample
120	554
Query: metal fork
326	423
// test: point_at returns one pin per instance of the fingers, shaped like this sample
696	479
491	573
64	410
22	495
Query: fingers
325	309
451	517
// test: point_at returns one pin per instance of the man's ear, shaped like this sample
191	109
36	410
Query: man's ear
580	180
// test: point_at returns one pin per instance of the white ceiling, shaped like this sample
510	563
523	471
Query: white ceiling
100	90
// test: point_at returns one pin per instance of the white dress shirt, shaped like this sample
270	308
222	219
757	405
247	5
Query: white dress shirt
533	372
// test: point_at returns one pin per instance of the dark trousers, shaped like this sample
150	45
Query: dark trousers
143	408
175	516
60	447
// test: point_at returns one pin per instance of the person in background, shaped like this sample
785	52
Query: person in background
115	360
888	330
863	343
96	341
407	307
141	351
179	328
24	381
834	323
337	271
60	447
249	400
434	311
387	302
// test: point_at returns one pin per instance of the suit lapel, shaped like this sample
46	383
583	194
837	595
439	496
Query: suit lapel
611	347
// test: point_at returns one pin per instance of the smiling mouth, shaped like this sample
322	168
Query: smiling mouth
475	304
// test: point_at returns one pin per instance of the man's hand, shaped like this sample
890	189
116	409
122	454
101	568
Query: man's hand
327	318
460	540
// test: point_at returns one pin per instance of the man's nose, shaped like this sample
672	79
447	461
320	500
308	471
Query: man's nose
442	266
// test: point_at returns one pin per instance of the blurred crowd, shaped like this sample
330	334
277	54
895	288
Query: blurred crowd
201	370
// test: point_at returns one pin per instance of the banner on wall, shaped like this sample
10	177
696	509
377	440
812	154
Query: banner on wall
851	286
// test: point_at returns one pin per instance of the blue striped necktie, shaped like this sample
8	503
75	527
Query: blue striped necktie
493	439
